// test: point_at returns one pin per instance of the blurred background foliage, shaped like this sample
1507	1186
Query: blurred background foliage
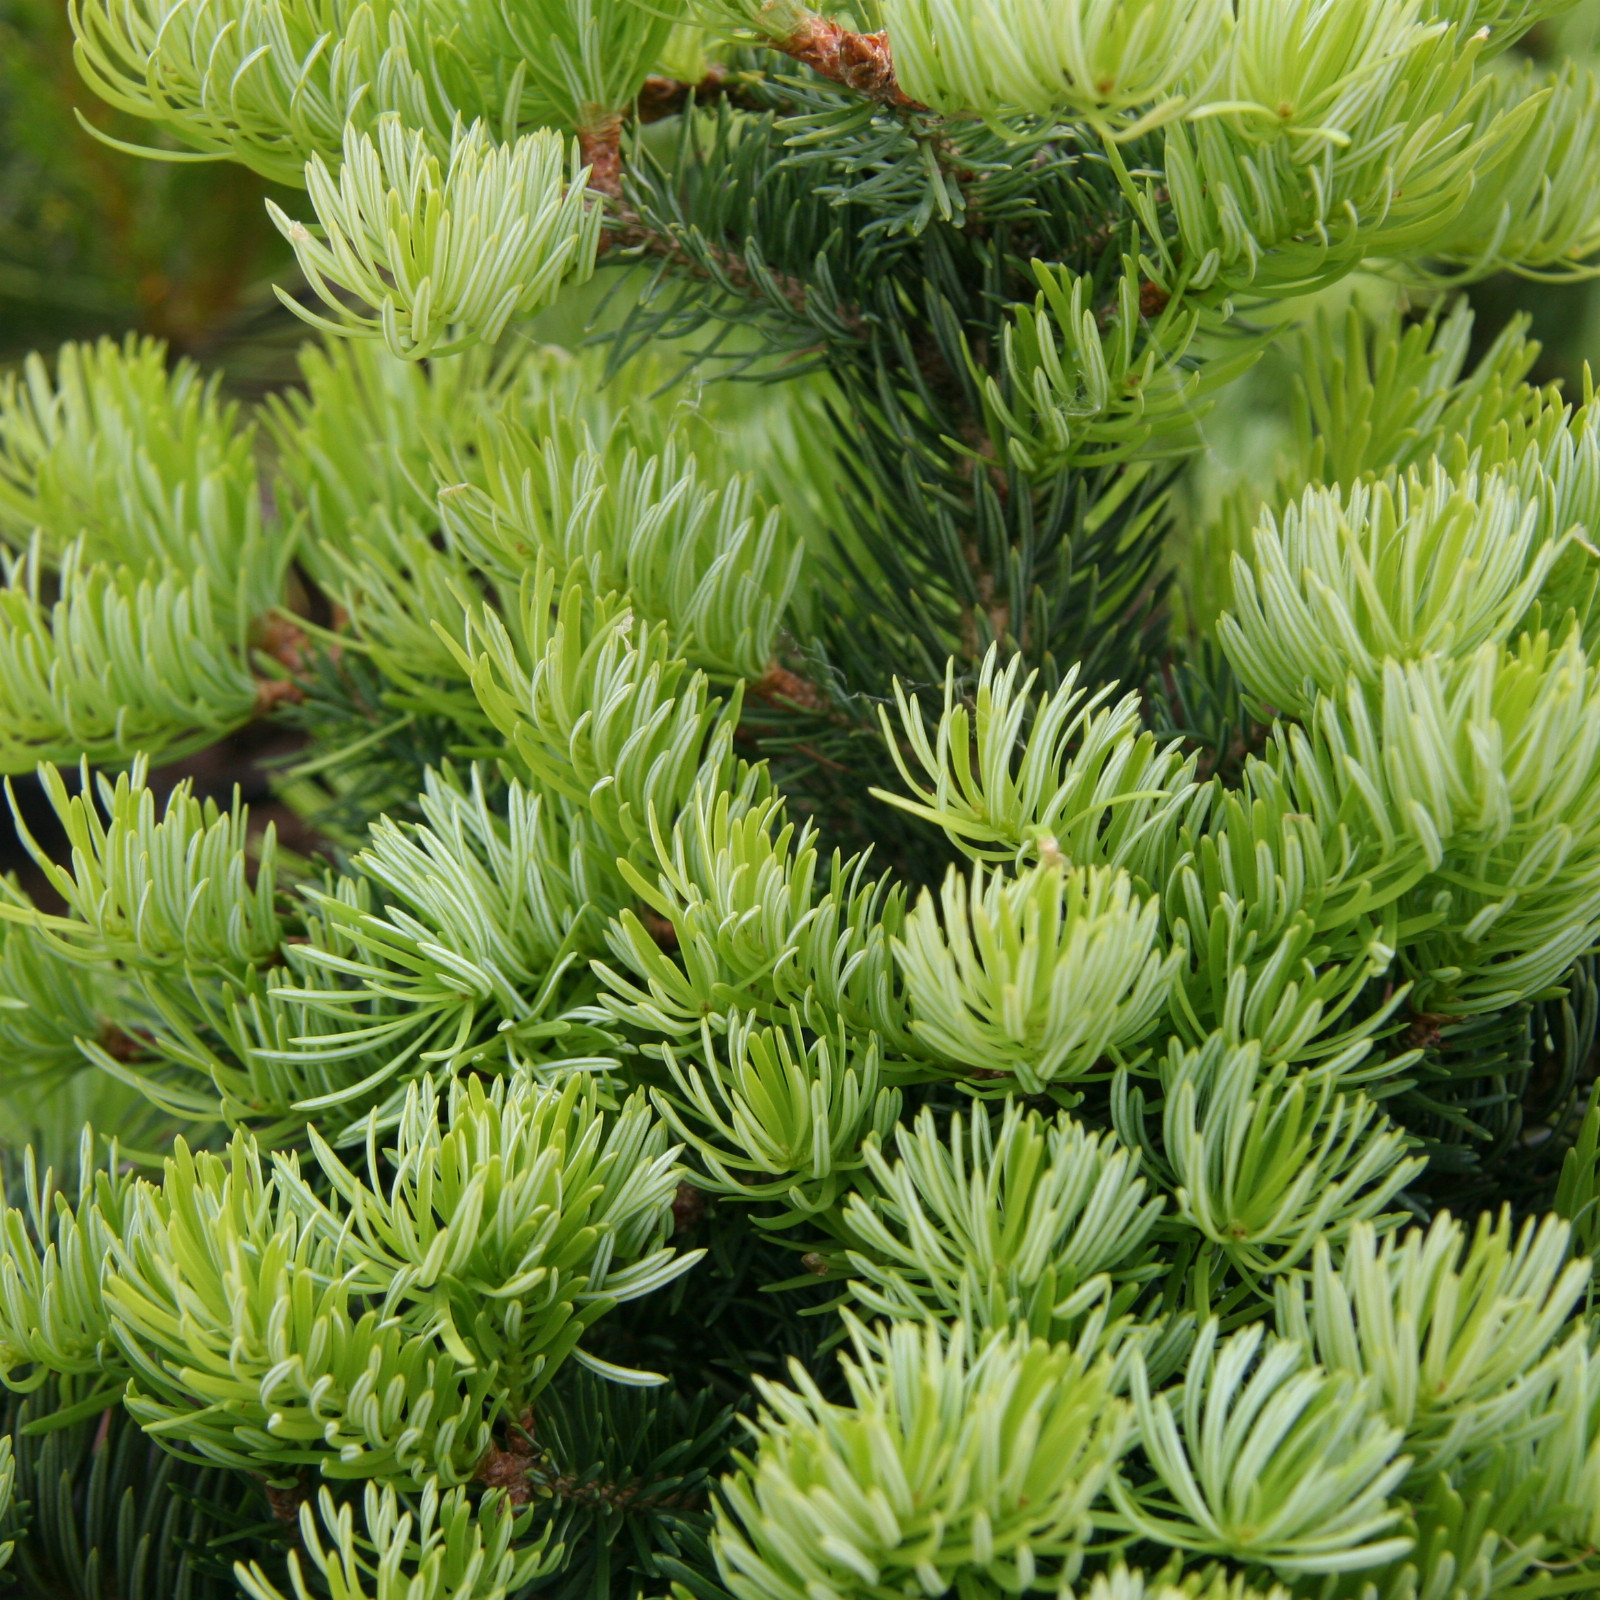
93	240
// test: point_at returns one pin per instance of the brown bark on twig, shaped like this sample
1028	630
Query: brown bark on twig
509	1470
600	149
285	1503
859	61
274	692
284	640
1425	1031
667	97
124	1046
688	1207
522	1473
778	685
632	234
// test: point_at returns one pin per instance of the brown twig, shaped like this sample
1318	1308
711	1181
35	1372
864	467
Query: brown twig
778	686
524	1470
283	639
1425	1031
600	149
274	692
811	753
1153	299
510	1470
123	1045
688	1207
633	233
859	61
659	98
285	1501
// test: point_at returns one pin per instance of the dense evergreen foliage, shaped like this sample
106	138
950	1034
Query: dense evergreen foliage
865	1009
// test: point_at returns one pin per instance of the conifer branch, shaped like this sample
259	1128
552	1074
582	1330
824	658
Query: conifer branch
778	841
722	267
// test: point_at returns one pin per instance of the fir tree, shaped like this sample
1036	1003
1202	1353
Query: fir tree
846	1037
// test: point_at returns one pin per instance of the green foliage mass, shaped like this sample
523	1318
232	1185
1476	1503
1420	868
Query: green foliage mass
840	1024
